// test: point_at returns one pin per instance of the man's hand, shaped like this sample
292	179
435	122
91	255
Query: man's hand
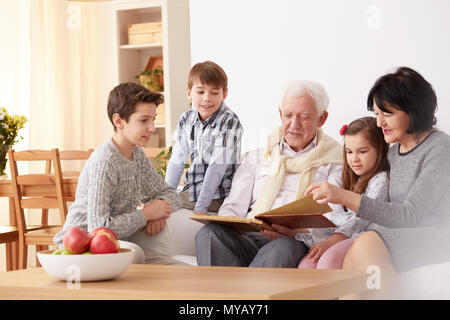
201	213
157	209
281	231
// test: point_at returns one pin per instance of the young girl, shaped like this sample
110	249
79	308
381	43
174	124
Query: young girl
365	171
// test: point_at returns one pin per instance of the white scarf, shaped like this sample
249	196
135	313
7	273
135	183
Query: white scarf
327	151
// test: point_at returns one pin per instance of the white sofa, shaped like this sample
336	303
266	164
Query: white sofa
183	231
429	282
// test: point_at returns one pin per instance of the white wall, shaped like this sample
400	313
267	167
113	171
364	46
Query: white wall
346	45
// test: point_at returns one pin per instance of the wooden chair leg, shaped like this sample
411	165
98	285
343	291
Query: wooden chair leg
44	217
23	252
9	257
15	255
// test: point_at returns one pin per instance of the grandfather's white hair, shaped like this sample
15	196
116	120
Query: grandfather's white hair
297	88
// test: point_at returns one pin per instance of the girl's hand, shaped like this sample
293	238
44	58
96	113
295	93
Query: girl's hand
316	251
153	227
324	192
157	209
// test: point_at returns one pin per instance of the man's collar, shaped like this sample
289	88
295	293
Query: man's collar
285	146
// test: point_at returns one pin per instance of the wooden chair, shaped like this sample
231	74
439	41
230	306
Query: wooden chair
8	235
65	155
43	236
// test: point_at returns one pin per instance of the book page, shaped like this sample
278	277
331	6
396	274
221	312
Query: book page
304	205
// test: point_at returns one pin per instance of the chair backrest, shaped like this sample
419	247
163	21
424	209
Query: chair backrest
70	155
36	182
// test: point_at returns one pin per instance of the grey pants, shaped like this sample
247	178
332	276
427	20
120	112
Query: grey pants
213	207
218	245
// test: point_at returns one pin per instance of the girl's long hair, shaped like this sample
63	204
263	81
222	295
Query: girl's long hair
368	127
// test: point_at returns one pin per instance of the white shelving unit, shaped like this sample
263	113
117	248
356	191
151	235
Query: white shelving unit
175	50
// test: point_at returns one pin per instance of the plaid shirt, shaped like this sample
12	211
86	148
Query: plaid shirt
214	141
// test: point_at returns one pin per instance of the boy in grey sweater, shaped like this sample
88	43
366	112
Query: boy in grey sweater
118	178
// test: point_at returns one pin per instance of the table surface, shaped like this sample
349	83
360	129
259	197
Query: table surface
188	282
181	282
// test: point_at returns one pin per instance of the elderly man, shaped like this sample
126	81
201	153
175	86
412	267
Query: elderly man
296	155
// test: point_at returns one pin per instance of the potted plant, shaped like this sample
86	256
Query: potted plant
151	79
9	129
161	160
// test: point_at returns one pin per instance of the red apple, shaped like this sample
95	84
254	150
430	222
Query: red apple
104	242
77	240
105	229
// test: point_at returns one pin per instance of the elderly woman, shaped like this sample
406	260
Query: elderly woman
413	228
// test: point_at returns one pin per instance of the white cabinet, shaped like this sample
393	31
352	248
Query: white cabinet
174	48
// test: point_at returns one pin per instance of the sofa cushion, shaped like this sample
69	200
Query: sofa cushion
182	232
428	282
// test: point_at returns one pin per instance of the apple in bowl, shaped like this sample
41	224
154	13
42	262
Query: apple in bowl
86	267
87	257
77	240
104	240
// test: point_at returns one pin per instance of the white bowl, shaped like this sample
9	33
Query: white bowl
88	267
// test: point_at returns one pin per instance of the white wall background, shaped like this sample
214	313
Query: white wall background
345	45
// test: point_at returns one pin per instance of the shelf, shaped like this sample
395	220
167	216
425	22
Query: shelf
174	50
141	46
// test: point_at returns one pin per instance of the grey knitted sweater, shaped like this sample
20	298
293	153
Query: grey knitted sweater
419	187
109	190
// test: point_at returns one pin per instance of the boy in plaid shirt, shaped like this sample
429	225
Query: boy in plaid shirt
210	133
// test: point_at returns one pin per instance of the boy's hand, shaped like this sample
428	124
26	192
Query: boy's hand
154	227
157	209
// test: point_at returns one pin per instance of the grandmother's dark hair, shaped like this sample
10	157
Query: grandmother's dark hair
408	91
124	98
